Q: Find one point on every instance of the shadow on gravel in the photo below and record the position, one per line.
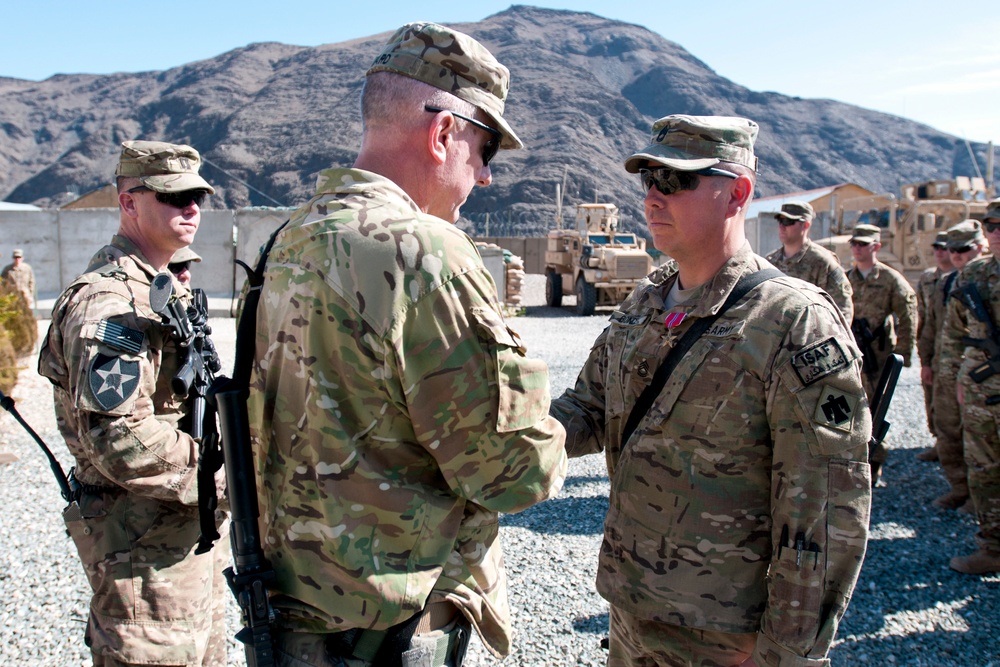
(594, 625)
(561, 516)
(579, 480)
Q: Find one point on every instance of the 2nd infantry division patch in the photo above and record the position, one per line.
(836, 409)
(113, 380)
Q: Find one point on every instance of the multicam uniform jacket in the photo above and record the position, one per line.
(394, 414)
(884, 298)
(817, 265)
(757, 442)
(136, 523)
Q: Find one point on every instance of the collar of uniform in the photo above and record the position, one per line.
(719, 287)
(132, 250)
(345, 181)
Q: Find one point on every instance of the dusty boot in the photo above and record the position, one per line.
(929, 455)
(953, 499)
(969, 507)
(981, 562)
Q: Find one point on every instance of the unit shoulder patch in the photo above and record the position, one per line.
(819, 360)
(836, 409)
(113, 380)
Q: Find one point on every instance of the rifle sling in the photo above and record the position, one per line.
(649, 394)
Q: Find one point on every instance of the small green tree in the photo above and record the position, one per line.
(18, 334)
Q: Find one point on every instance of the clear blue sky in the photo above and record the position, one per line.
(933, 62)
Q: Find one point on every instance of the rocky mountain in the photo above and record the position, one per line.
(585, 91)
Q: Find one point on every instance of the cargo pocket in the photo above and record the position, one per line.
(522, 383)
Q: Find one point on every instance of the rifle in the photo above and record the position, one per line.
(68, 487)
(249, 579)
(882, 397)
(200, 362)
(864, 337)
(972, 300)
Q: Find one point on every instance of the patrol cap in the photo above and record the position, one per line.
(964, 234)
(993, 210)
(17, 253)
(162, 167)
(690, 143)
(796, 210)
(867, 234)
(185, 254)
(454, 62)
(941, 240)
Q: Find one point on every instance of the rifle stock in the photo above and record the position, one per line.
(882, 397)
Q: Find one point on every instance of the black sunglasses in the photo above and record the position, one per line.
(491, 147)
(991, 226)
(787, 222)
(181, 199)
(178, 267)
(668, 181)
(860, 244)
(961, 251)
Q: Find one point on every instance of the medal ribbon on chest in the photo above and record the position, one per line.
(673, 319)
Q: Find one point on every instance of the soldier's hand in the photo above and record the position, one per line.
(749, 662)
(960, 394)
(927, 375)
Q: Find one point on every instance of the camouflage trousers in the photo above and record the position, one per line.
(981, 431)
(929, 406)
(639, 642)
(155, 602)
(948, 434)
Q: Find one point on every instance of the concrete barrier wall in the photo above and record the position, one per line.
(59, 245)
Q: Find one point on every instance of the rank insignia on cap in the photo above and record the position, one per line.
(836, 409)
(119, 337)
(113, 380)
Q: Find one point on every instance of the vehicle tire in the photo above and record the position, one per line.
(553, 289)
(586, 297)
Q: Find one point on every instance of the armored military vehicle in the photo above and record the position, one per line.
(909, 222)
(595, 260)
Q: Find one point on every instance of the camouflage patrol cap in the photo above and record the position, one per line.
(690, 143)
(185, 254)
(965, 233)
(796, 210)
(941, 240)
(17, 253)
(866, 234)
(162, 167)
(454, 62)
(993, 210)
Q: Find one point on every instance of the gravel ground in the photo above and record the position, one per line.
(908, 609)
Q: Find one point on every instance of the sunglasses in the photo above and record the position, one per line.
(787, 222)
(181, 199)
(991, 226)
(961, 251)
(179, 267)
(668, 181)
(491, 147)
(859, 244)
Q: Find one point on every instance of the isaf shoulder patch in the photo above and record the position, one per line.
(119, 337)
(819, 360)
(836, 409)
(113, 380)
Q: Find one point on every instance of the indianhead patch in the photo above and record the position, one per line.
(836, 409)
(113, 380)
(819, 360)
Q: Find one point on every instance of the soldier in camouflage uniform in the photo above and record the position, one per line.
(979, 400)
(739, 506)
(393, 411)
(801, 258)
(20, 274)
(111, 361)
(885, 306)
(965, 242)
(929, 290)
(180, 264)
